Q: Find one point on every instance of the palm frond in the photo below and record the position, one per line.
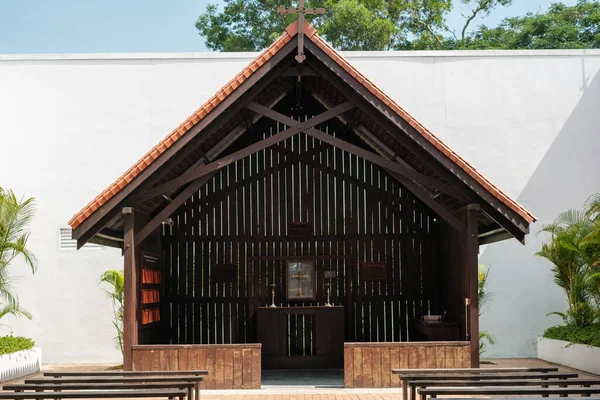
(592, 206)
(15, 217)
(116, 293)
(14, 310)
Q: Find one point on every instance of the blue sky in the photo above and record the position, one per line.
(116, 26)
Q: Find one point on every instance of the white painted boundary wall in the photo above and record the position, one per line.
(578, 356)
(70, 125)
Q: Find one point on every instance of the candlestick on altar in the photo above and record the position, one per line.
(328, 285)
(273, 295)
(329, 275)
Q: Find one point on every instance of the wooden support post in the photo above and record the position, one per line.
(471, 269)
(130, 314)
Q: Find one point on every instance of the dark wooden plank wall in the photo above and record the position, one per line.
(358, 213)
(234, 366)
(369, 365)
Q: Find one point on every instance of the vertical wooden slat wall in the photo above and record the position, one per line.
(358, 212)
(230, 366)
(369, 365)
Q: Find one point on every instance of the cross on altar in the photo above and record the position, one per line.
(301, 11)
(300, 276)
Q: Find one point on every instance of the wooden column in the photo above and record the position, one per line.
(130, 312)
(471, 269)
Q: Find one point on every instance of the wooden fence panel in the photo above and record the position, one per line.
(368, 365)
(233, 366)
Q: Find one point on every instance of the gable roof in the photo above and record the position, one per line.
(289, 33)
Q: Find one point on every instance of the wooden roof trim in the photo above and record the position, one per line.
(183, 128)
(428, 135)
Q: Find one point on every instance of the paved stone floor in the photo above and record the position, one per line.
(316, 385)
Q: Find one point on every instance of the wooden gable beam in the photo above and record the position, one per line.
(194, 186)
(171, 207)
(209, 155)
(375, 159)
(233, 103)
(372, 157)
(295, 128)
(367, 155)
(388, 119)
(374, 142)
(300, 71)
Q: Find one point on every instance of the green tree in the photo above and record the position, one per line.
(15, 216)
(561, 27)
(116, 293)
(251, 25)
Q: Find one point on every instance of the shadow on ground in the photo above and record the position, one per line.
(320, 378)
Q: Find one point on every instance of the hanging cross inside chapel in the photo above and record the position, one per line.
(301, 11)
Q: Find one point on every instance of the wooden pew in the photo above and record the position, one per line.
(60, 374)
(103, 394)
(416, 375)
(510, 391)
(414, 385)
(57, 387)
(196, 379)
(472, 370)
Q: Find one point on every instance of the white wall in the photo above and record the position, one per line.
(70, 125)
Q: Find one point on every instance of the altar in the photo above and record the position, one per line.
(301, 337)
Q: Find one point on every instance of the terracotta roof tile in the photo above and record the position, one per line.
(236, 81)
(164, 144)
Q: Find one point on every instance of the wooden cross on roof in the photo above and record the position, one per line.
(301, 11)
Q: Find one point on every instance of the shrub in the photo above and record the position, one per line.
(573, 249)
(589, 335)
(484, 296)
(12, 344)
(116, 294)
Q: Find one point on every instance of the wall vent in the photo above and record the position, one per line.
(66, 243)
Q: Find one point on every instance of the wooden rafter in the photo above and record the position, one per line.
(171, 207)
(295, 128)
(367, 155)
(386, 164)
(212, 153)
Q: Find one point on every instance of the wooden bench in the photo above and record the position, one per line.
(103, 394)
(415, 375)
(59, 374)
(511, 391)
(472, 370)
(196, 379)
(414, 385)
(57, 387)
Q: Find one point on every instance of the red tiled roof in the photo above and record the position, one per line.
(199, 114)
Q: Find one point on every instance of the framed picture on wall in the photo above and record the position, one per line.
(300, 280)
